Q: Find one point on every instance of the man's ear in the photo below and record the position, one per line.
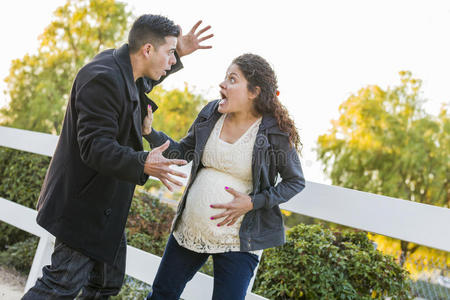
(253, 95)
(147, 49)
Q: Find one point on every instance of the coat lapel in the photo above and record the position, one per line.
(122, 58)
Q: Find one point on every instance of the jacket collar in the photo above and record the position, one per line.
(268, 121)
(122, 57)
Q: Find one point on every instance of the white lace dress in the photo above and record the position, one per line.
(224, 164)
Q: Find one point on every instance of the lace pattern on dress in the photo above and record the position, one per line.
(225, 164)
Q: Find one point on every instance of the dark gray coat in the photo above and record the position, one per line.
(99, 157)
(261, 227)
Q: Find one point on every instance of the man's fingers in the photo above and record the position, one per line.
(176, 173)
(202, 30)
(178, 162)
(181, 30)
(204, 47)
(205, 38)
(167, 184)
(194, 28)
(173, 180)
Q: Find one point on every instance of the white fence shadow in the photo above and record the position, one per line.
(409, 221)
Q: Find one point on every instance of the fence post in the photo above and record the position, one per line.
(252, 281)
(41, 258)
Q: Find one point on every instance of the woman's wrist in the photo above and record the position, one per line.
(146, 132)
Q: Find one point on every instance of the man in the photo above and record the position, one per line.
(87, 192)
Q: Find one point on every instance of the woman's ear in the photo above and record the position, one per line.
(253, 95)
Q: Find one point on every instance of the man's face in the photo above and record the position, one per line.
(160, 60)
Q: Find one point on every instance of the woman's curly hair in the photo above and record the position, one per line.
(259, 73)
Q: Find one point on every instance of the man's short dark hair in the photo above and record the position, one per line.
(150, 29)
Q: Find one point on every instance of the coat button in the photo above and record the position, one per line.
(108, 211)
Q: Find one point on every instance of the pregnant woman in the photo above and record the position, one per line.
(239, 145)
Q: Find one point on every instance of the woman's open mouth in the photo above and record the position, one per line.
(224, 98)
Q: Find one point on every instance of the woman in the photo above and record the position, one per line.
(229, 210)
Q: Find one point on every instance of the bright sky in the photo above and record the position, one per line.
(321, 50)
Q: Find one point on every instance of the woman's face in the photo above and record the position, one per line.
(235, 95)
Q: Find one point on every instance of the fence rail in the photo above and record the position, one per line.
(414, 222)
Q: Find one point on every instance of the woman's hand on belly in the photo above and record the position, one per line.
(241, 204)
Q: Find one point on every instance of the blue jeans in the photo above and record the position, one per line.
(71, 271)
(232, 272)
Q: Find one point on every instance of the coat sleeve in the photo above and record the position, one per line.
(98, 106)
(184, 149)
(292, 179)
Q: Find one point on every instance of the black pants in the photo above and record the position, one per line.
(71, 271)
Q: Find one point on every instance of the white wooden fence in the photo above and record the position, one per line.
(419, 223)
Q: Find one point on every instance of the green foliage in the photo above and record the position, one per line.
(20, 255)
(132, 289)
(21, 177)
(385, 143)
(148, 229)
(39, 84)
(148, 224)
(178, 110)
(152, 183)
(317, 263)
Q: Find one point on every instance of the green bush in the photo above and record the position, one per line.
(132, 289)
(317, 263)
(21, 177)
(148, 224)
(20, 255)
(148, 229)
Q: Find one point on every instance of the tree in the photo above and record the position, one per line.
(39, 84)
(385, 143)
(179, 108)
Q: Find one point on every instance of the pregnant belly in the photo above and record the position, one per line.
(209, 188)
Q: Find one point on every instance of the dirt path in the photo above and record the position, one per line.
(12, 284)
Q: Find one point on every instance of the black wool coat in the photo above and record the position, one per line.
(99, 158)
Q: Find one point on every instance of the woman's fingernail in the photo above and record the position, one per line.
(218, 225)
(149, 106)
(226, 188)
(212, 218)
(211, 206)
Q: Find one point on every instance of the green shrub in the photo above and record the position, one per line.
(317, 263)
(132, 289)
(148, 224)
(148, 229)
(21, 177)
(20, 255)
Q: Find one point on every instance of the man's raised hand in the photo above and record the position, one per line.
(158, 166)
(190, 42)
